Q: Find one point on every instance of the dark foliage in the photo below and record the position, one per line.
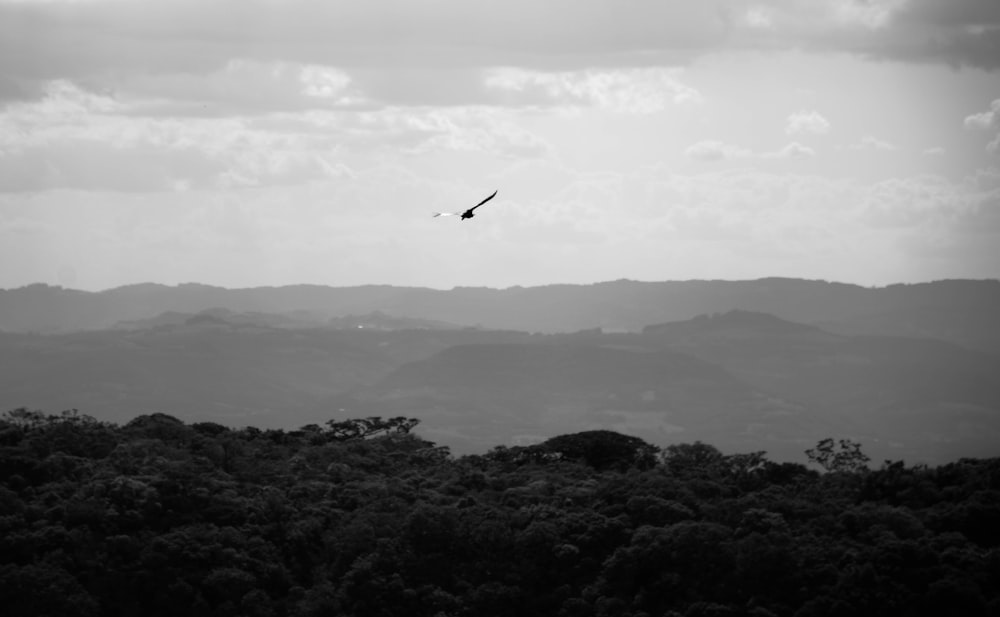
(362, 517)
(604, 450)
(846, 456)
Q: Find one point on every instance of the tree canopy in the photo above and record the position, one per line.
(363, 518)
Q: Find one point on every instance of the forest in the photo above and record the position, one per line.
(364, 517)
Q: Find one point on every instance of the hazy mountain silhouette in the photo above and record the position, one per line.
(376, 320)
(821, 367)
(289, 319)
(470, 396)
(205, 368)
(740, 379)
(964, 312)
(921, 395)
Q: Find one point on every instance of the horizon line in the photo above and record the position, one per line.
(506, 288)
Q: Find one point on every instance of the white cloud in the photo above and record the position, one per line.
(956, 33)
(872, 143)
(987, 120)
(324, 82)
(77, 139)
(713, 150)
(807, 122)
(470, 130)
(838, 229)
(934, 151)
(792, 150)
(758, 17)
(117, 42)
(241, 86)
(936, 214)
(872, 14)
(374, 226)
(639, 91)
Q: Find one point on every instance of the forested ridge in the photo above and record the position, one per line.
(364, 517)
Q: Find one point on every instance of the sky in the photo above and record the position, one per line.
(246, 143)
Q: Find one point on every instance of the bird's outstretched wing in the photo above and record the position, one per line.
(446, 213)
(484, 201)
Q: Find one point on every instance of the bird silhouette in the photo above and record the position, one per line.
(468, 214)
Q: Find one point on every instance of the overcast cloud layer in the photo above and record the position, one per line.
(253, 142)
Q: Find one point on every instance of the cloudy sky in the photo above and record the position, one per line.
(265, 142)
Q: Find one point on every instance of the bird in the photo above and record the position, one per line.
(468, 214)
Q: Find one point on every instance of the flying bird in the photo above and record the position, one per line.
(468, 214)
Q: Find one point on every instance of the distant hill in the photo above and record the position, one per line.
(741, 380)
(928, 397)
(960, 311)
(741, 325)
(376, 320)
(223, 316)
(205, 368)
(827, 368)
(472, 395)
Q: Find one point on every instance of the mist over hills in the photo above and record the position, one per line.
(524, 391)
(740, 379)
(206, 369)
(961, 311)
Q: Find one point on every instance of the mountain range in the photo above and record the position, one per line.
(739, 380)
(966, 312)
(921, 387)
